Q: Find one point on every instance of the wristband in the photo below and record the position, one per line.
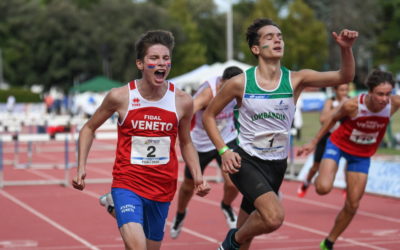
(223, 150)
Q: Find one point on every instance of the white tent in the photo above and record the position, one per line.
(193, 79)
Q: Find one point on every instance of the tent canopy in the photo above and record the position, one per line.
(196, 77)
(97, 84)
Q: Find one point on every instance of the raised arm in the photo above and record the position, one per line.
(311, 78)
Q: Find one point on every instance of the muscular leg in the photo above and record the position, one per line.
(356, 183)
(230, 190)
(133, 236)
(313, 170)
(326, 176)
(185, 194)
(267, 217)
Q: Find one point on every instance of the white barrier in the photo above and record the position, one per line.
(66, 165)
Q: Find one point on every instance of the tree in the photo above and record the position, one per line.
(305, 38)
(360, 15)
(189, 52)
(388, 45)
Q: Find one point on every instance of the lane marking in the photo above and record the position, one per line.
(300, 227)
(360, 212)
(48, 220)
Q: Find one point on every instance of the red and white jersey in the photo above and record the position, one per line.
(146, 161)
(362, 134)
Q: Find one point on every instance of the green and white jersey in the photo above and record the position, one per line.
(265, 117)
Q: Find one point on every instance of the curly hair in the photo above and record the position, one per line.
(377, 77)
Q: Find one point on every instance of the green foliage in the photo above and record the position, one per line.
(190, 51)
(305, 38)
(60, 43)
(21, 95)
(389, 39)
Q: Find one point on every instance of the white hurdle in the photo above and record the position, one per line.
(29, 138)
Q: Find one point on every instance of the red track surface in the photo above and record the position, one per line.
(57, 217)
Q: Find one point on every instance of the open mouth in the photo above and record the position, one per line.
(160, 74)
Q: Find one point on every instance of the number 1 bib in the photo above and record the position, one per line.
(271, 141)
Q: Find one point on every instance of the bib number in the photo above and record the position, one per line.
(360, 137)
(270, 142)
(150, 150)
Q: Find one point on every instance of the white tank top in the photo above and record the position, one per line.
(225, 121)
(265, 117)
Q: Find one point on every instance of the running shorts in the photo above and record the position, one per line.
(206, 157)
(354, 163)
(130, 207)
(256, 177)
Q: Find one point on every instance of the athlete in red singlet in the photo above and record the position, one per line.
(152, 113)
(364, 121)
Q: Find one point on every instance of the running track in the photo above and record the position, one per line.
(58, 217)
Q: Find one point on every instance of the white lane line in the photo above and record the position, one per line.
(196, 234)
(360, 212)
(48, 220)
(184, 229)
(321, 233)
(300, 227)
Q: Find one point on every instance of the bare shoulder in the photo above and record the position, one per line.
(116, 98)
(183, 98)
(235, 85)
(184, 103)
(395, 100)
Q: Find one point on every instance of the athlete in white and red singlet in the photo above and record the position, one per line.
(152, 113)
(364, 121)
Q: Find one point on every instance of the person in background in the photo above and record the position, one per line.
(364, 119)
(206, 149)
(330, 107)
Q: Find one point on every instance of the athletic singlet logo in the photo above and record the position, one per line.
(135, 102)
(266, 115)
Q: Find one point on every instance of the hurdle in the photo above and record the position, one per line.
(33, 138)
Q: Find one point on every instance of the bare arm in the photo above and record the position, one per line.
(107, 108)
(189, 153)
(232, 89)
(327, 111)
(312, 78)
(202, 99)
(346, 110)
(395, 100)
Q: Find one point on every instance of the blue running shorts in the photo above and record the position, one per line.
(354, 163)
(130, 207)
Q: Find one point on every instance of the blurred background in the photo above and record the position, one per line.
(59, 58)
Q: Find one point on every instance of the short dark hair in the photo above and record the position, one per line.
(153, 37)
(252, 36)
(230, 72)
(378, 77)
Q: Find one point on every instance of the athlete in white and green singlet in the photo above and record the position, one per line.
(266, 97)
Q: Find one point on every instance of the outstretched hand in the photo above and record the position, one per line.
(346, 38)
(203, 189)
(306, 149)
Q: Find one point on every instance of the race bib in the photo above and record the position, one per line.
(150, 150)
(270, 142)
(363, 138)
